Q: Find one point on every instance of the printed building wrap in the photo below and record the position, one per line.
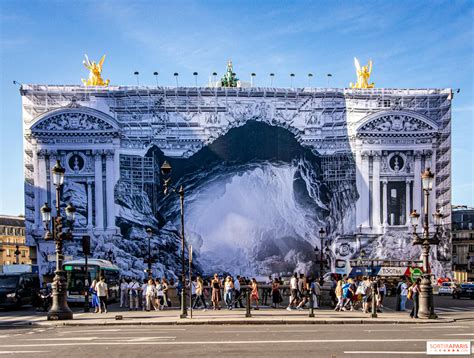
(263, 168)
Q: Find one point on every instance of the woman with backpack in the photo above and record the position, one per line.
(414, 293)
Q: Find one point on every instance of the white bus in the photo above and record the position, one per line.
(76, 272)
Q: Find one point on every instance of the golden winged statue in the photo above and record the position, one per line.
(363, 75)
(95, 69)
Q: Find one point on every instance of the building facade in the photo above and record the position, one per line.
(463, 243)
(13, 248)
(348, 160)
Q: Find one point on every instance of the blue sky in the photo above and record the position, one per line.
(414, 44)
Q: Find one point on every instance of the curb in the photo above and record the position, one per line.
(188, 322)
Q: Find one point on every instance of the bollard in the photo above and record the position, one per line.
(247, 308)
(374, 309)
(311, 305)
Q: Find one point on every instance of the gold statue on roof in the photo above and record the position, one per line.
(95, 69)
(363, 75)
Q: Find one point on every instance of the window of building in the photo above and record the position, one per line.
(455, 249)
(23, 253)
(471, 248)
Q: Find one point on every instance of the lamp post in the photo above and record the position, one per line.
(426, 290)
(59, 309)
(150, 257)
(322, 235)
(166, 171)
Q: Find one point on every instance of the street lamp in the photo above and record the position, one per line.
(150, 257)
(322, 235)
(166, 171)
(59, 309)
(426, 290)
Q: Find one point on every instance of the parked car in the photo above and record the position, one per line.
(18, 289)
(464, 290)
(446, 288)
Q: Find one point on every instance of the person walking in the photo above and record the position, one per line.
(382, 293)
(399, 290)
(293, 292)
(164, 290)
(95, 299)
(338, 292)
(316, 292)
(159, 294)
(150, 295)
(276, 297)
(123, 293)
(199, 293)
(403, 295)
(415, 294)
(216, 292)
(267, 291)
(133, 294)
(254, 293)
(237, 293)
(142, 292)
(228, 292)
(102, 293)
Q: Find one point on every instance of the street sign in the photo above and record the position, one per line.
(415, 273)
(392, 271)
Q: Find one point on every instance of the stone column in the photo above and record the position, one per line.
(52, 188)
(110, 181)
(407, 201)
(365, 190)
(42, 185)
(359, 179)
(384, 202)
(89, 203)
(99, 197)
(417, 182)
(376, 192)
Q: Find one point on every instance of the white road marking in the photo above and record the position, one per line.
(22, 352)
(382, 352)
(96, 338)
(417, 327)
(270, 331)
(458, 334)
(286, 341)
(138, 330)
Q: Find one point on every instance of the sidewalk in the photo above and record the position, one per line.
(225, 317)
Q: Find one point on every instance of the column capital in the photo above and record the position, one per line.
(408, 180)
(384, 181)
(42, 153)
(377, 154)
(109, 154)
(365, 154)
(97, 154)
(417, 154)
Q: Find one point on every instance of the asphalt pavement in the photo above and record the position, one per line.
(377, 339)
(231, 341)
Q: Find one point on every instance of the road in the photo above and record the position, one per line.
(377, 340)
(322, 340)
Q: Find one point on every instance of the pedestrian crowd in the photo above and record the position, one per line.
(347, 294)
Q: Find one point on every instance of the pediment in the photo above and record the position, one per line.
(77, 120)
(397, 122)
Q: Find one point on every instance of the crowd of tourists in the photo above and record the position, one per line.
(347, 294)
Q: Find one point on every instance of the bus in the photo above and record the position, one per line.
(76, 274)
